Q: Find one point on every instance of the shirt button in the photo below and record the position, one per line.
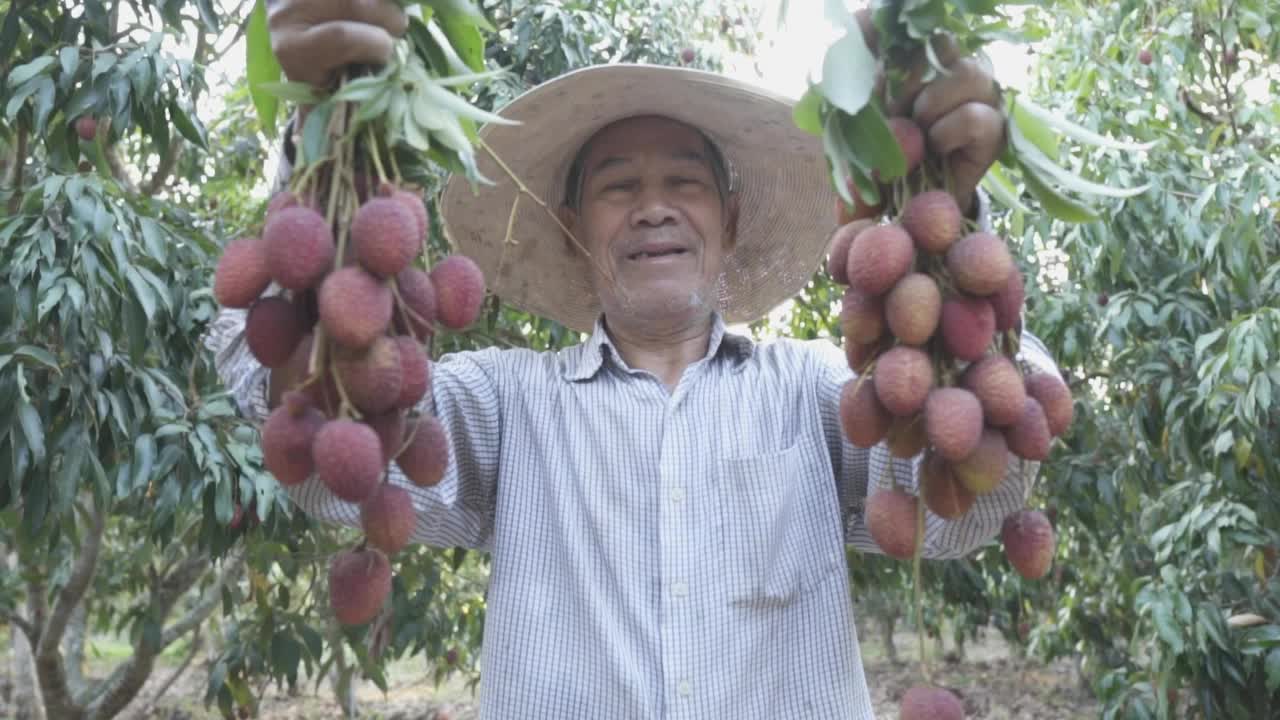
(677, 494)
(680, 589)
(685, 688)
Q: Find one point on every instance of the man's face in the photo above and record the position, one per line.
(652, 217)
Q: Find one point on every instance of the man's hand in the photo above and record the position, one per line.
(959, 113)
(313, 38)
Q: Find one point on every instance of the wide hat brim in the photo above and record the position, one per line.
(787, 206)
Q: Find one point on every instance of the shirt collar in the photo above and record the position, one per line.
(583, 361)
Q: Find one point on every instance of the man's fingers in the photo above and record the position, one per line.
(285, 15)
(383, 13)
(970, 137)
(969, 81)
(311, 55)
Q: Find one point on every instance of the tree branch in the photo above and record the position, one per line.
(19, 159)
(119, 172)
(22, 624)
(196, 642)
(163, 170)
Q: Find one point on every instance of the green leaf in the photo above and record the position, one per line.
(463, 8)
(834, 147)
(38, 355)
(186, 125)
(1162, 614)
(144, 456)
(1273, 670)
(808, 111)
(315, 133)
(145, 295)
(1002, 189)
(23, 73)
(261, 66)
(848, 73)
(1054, 202)
(871, 140)
(33, 430)
(465, 38)
(1023, 106)
(1030, 156)
(69, 57)
(1033, 128)
(295, 92)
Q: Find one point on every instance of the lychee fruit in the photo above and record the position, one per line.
(861, 317)
(272, 330)
(348, 458)
(387, 518)
(1007, 303)
(982, 470)
(415, 372)
(1144, 56)
(687, 55)
(906, 437)
(87, 127)
(913, 308)
(931, 703)
(242, 273)
(418, 317)
(359, 582)
(860, 356)
(426, 458)
(910, 140)
(282, 200)
(287, 436)
(999, 387)
(878, 258)
(941, 491)
(953, 421)
(355, 307)
(372, 377)
(863, 418)
(385, 235)
(390, 430)
(299, 247)
(1028, 543)
(891, 520)
(903, 377)
(838, 255)
(322, 391)
(968, 327)
(1055, 399)
(1103, 299)
(934, 221)
(1029, 438)
(412, 202)
(459, 287)
(980, 263)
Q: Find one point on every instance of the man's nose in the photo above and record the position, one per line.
(653, 209)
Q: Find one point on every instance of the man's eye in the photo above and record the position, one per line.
(622, 185)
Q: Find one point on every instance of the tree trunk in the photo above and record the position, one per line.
(73, 646)
(888, 620)
(26, 703)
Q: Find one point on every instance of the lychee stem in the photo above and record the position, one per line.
(345, 407)
(373, 152)
(407, 314)
(395, 166)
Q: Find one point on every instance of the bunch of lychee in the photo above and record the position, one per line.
(931, 325)
(353, 330)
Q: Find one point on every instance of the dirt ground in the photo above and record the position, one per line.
(992, 681)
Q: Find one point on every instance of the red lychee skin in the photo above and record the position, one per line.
(348, 459)
(864, 420)
(299, 246)
(980, 263)
(953, 421)
(878, 258)
(387, 517)
(87, 127)
(1029, 438)
(1055, 399)
(931, 703)
(412, 202)
(415, 372)
(906, 437)
(687, 55)
(941, 491)
(426, 458)
(968, 327)
(287, 436)
(859, 356)
(355, 307)
(1028, 542)
(372, 378)
(982, 471)
(390, 430)
(838, 255)
(242, 273)
(903, 377)
(384, 233)
(415, 289)
(359, 582)
(272, 330)
(1144, 56)
(861, 317)
(891, 520)
(913, 308)
(999, 387)
(910, 140)
(459, 287)
(934, 221)
(1007, 303)
(280, 201)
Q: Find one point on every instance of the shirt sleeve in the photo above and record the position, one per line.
(860, 471)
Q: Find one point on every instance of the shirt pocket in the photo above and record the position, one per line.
(780, 524)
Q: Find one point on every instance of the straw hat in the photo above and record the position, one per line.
(778, 170)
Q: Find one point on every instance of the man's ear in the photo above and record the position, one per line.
(569, 218)
(731, 207)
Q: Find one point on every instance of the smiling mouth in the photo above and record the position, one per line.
(650, 255)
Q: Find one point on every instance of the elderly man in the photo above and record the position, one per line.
(667, 504)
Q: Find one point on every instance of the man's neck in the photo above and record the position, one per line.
(663, 351)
